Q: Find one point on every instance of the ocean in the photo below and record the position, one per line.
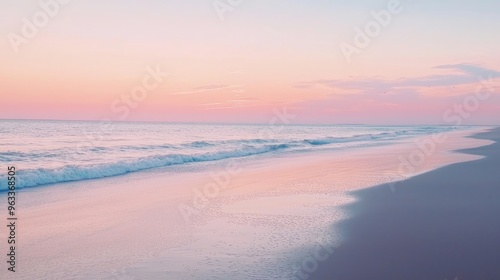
(47, 152)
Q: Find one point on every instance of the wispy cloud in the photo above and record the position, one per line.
(461, 74)
(207, 88)
(384, 100)
(471, 69)
(232, 103)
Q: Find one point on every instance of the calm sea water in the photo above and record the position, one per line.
(47, 152)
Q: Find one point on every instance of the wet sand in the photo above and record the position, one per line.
(444, 224)
(253, 224)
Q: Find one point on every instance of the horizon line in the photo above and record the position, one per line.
(238, 123)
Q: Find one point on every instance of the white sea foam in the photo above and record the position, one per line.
(54, 152)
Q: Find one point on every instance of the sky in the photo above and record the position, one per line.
(324, 62)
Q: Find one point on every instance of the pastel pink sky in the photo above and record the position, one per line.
(429, 59)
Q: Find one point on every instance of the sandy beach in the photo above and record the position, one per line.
(257, 217)
(249, 140)
(440, 225)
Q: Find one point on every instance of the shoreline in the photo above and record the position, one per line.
(442, 224)
(272, 206)
(33, 177)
